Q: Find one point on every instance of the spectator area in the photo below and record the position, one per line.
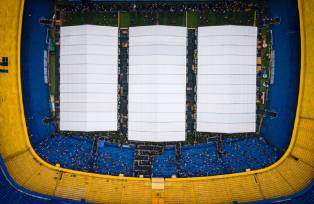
(240, 154)
(113, 159)
(165, 165)
(69, 152)
(200, 160)
(77, 153)
(291, 174)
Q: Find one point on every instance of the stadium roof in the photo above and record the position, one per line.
(226, 79)
(88, 78)
(157, 83)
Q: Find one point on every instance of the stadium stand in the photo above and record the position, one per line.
(292, 173)
(32, 56)
(10, 192)
(114, 160)
(238, 155)
(289, 24)
(77, 153)
(144, 158)
(199, 160)
(165, 165)
(69, 152)
(250, 153)
(305, 196)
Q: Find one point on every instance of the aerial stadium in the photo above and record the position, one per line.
(156, 101)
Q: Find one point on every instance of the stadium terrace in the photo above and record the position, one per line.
(156, 102)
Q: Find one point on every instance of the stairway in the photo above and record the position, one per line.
(178, 160)
(143, 158)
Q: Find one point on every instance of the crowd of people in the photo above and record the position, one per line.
(149, 11)
(100, 156)
(70, 152)
(199, 160)
(113, 159)
(221, 6)
(106, 13)
(238, 155)
(86, 154)
(92, 154)
(248, 154)
(164, 165)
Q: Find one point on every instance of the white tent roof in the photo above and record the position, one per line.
(226, 81)
(88, 78)
(157, 83)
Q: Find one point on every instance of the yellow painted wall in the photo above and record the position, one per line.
(292, 173)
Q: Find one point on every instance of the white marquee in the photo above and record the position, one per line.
(226, 79)
(88, 78)
(157, 83)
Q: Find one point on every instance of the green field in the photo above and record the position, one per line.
(192, 19)
(265, 54)
(52, 62)
(234, 18)
(52, 74)
(189, 19)
(124, 20)
(93, 18)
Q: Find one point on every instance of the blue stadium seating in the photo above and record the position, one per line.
(199, 160)
(248, 153)
(283, 93)
(165, 165)
(77, 153)
(35, 90)
(112, 159)
(239, 155)
(69, 152)
(11, 193)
